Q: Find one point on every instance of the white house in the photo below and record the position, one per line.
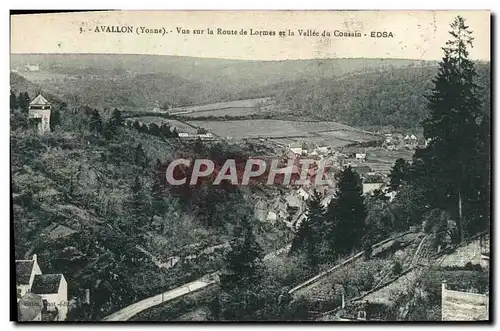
(297, 150)
(183, 135)
(303, 193)
(26, 270)
(40, 108)
(32, 67)
(370, 187)
(53, 289)
(360, 156)
(323, 149)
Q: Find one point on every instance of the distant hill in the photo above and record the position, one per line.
(139, 81)
(392, 96)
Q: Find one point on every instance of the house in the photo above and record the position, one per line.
(361, 157)
(303, 193)
(294, 200)
(40, 108)
(34, 67)
(323, 150)
(370, 187)
(362, 170)
(53, 289)
(463, 306)
(26, 270)
(297, 149)
(29, 308)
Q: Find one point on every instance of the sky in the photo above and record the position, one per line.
(415, 34)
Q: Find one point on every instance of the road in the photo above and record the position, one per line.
(128, 312)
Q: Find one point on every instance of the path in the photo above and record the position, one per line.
(130, 311)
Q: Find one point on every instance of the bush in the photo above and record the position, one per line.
(397, 268)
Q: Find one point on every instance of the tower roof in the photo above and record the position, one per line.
(39, 100)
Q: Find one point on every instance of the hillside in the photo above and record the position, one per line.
(393, 96)
(101, 192)
(139, 81)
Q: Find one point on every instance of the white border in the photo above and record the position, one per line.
(186, 4)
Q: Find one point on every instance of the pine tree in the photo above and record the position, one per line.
(140, 157)
(24, 102)
(399, 174)
(137, 205)
(116, 117)
(310, 234)
(347, 213)
(241, 280)
(55, 115)
(137, 125)
(452, 127)
(95, 124)
(157, 190)
(13, 100)
(244, 260)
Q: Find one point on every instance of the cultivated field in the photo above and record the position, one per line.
(247, 103)
(270, 128)
(231, 111)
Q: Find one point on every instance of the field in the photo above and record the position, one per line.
(381, 160)
(270, 128)
(247, 103)
(231, 111)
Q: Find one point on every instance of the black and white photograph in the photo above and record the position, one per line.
(250, 166)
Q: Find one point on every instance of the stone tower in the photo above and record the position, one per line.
(40, 108)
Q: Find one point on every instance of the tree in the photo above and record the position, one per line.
(442, 229)
(95, 124)
(201, 131)
(140, 157)
(452, 127)
(24, 102)
(157, 190)
(137, 125)
(244, 259)
(116, 117)
(310, 234)
(55, 115)
(138, 206)
(346, 212)
(13, 100)
(399, 174)
(154, 129)
(241, 286)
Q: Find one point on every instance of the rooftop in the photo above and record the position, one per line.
(23, 271)
(45, 284)
(39, 100)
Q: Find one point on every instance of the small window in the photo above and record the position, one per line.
(361, 315)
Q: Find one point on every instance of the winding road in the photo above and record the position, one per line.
(128, 312)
